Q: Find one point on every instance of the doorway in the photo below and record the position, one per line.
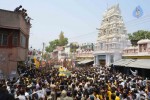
(102, 63)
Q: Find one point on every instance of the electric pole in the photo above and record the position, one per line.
(43, 49)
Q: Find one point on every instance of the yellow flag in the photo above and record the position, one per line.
(61, 68)
(37, 63)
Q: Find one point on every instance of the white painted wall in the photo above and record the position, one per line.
(67, 50)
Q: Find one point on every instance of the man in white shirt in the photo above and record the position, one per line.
(22, 95)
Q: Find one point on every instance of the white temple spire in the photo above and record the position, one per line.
(112, 36)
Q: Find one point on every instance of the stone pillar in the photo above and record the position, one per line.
(97, 61)
(107, 59)
(94, 61)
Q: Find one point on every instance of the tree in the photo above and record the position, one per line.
(52, 45)
(62, 41)
(136, 36)
(141, 34)
(73, 47)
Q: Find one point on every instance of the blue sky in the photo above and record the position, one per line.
(78, 19)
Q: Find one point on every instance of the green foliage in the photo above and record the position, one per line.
(73, 47)
(62, 41)
(141, 34)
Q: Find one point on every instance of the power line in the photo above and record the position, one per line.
(134, 24)
(148, 15)
(82, 35)
(143, 22)
(137, 21)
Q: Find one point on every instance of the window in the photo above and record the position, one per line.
(15, 39)
(3, 39)
(22, 40)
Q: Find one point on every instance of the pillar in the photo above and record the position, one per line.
(97, 60)
(94, 61)
(107, 59)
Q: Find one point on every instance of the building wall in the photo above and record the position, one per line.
(117, 56)
(67, 51)
(22, 53)
(13, 22)
(59, 55)
(54, 55)
(83, 55)
(85, 52)
(141, 51)
(25, 27)
(9, 19)
(10, 57)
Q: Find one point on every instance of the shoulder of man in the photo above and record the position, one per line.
(68, 98)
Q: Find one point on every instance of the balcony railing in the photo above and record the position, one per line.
(84, 55)
(147, 52)
(131, 53)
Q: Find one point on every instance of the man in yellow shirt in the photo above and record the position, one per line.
(109, 94)
(117, 96)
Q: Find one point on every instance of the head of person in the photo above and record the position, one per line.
(64, 93)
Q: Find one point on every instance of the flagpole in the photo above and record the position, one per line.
(43, 51)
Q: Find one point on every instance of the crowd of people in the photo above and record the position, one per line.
(93, 83)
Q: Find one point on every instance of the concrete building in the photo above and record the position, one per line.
(58, 53)
(70, 49)
(84, 54)
(137, 57)
(142, 50)
(14, 39)
(112, 38)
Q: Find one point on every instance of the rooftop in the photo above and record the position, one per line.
(143, 41)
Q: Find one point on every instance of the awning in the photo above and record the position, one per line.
(77, 60)
(85, 61)
(123, 62)
(140, 63)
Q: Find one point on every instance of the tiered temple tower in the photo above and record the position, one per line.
(112, 37)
